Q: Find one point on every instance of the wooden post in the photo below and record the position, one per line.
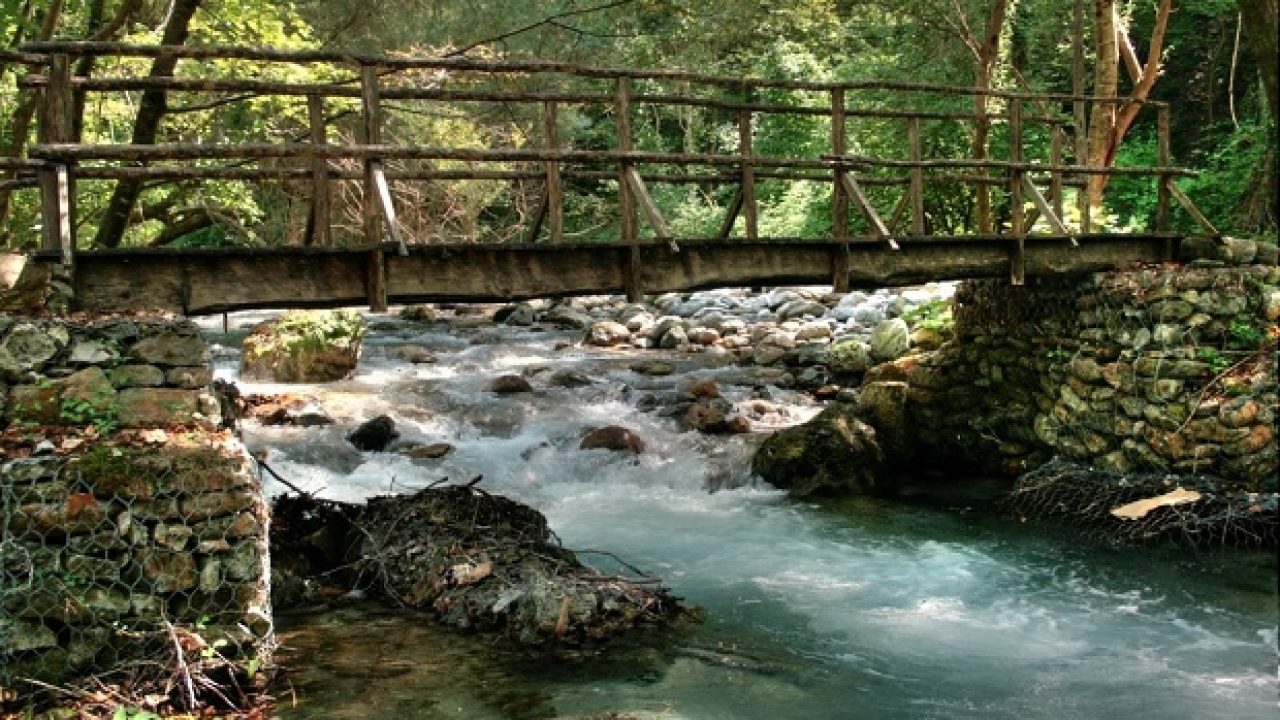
(1017, 268)
(555, 191)
(320, 230)
(916, 189)
(1163, 180)
(56, 184)
(1080, 108)
(750, 209)
(371, 111)
(626, 199)
(840, 199)
(1055, 176)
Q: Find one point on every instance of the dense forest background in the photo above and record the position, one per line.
(1212, 60)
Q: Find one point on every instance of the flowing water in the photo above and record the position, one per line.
(860, 609)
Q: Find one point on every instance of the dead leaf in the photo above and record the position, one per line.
(469, 574)
(1139, 508)
(77, 503)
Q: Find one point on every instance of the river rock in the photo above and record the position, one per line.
(607, 333)
(520, 314)
(849, 357)
(673, 338)
(302, 347)
(834, 453)
(714, 416)
(25, 349)
(431, 451)
(419, 313)
(374, 435)
(569, 378)
(613, 437)
(509, 385)
(890, 340)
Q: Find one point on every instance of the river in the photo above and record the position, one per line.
(931, 607)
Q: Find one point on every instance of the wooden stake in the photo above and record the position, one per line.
(1080, 109)
(555, 191)
(650, 208)
(386, 203)
(1163, 181)
(626, 199)
(735, 207)
(1192, 210)
(371, 115)
(868, 210)
(1046, 210)
(916, 189)
(745, 147)
(840, 199)
(1017, 260)
(319, 232)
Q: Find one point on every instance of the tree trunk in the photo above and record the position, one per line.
(1112, 119)
(988, 52)
(1260, 28)
(151, 111)
(1106, 78)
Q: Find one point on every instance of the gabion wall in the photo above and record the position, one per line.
(138, 542)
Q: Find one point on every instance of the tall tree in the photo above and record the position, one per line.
(151, 110)
(1111, 119)
(1259, 20)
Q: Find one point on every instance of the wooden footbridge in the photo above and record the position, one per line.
(864, 247)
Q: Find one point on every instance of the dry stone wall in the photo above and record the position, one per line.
(134, 528)
(1169, 369)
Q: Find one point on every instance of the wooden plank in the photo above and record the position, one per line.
(387, 204)
(331, 277)
(730, 217)
(626, 198)
(1046, 210)
(555, 189)
(916, 189)
(868, 211)
(66, 223)
(650, 208)
(750, 208)
(320, 230)
(1192, 210)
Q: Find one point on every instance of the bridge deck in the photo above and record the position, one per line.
(205, 281)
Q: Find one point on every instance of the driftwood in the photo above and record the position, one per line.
(469, 559)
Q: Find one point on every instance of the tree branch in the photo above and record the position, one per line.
(535, 25)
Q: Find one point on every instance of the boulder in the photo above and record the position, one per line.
(835, 453)
(430, 451)
(509, 385)
(715, 416)
(607, 333)
(890, 340)
(303, 346)
(613, 437)
(520, 314)
(374, 435)
(419, 313)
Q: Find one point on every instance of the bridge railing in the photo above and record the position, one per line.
(370, 82)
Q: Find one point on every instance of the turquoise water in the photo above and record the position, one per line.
(861, 609)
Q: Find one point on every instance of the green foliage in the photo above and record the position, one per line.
(80, 411)
(1216, 361)
(309, 330)
(935, 316)
(1243, 333)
